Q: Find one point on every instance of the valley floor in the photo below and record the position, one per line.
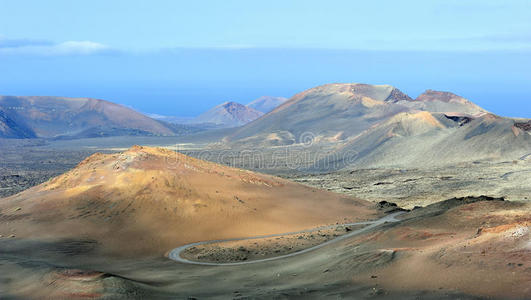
(25, 164)
(419, 187)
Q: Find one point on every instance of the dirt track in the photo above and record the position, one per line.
(175, 254)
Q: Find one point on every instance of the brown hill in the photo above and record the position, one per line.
(146, 201)
(60, 116)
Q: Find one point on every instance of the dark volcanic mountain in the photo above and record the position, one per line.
(266, 104)
(59, 116)
(11, 129)
(229, 114)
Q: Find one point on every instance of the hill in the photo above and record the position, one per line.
(436, 101)
(59, 116)
(146, 201)
(332, 110)
(363, 125)
(228, 114)
(427, 139)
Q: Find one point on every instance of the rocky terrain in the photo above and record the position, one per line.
(410, 187)
(526, 126)
(25, 163)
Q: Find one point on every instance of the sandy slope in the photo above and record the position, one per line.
(146, 201)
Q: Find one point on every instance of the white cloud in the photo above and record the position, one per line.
(46, 48)
(79, 47)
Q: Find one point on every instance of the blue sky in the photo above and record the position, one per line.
(182, 57)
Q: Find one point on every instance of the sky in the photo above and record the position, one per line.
(183, 57)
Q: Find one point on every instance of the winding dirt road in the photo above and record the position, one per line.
(175, 254)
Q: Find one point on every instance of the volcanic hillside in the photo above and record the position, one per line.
(436, 101)
(146, 201)
(11, 129)
(334, 112)
(84, 117)
(329, 110)
(378, 125)
(426, 139)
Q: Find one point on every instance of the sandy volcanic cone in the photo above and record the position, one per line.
(146, 201)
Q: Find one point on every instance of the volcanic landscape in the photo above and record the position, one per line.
(342, 191)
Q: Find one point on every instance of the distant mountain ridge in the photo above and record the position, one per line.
(346, 110)
(71, 118)
(50, 117)
(229, 114)
(329, 110)
(378, 125)
(266, 104)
